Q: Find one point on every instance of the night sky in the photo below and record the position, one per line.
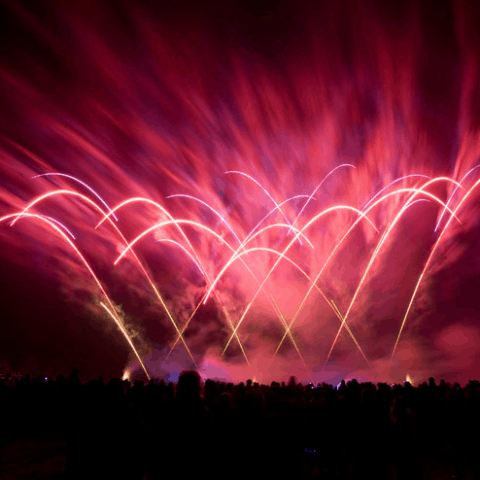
(147, 100)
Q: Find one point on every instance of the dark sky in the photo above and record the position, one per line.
(151, 99)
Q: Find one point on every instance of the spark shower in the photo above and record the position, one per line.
(202, 189)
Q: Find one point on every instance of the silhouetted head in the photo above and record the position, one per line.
(367, 397)
(189, 386)
(399, 407)
(224, 402)
(255, 401)
(115, 388)
(473, 396)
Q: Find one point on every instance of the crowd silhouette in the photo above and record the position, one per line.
(195, 429)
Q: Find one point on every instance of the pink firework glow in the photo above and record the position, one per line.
(186, 187)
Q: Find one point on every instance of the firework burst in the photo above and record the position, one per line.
(303, 216)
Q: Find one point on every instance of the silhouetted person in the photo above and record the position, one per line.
(256, 431)
(405, 443)
(183, 443)
(373, 444)
(472, 444)
(106, 438)
(457, 427)
(73, 380)
(227, 426)
(255, 446)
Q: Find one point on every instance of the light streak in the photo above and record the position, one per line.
(43, 197)
(382, 240)
(427, 263)
(92, 273)
(168, 128)
(310, 197)
(453, 193)
(106, 216)
(88, 187)
(340, 317)
(305, 274)
(314, 283)
(186, 222)
(337, 246)
(242, 252)
(60, 224)
(180, 195)
(324, 212)
(272, 211)
(177, 223)
(282, 225)
(200, 226)
(115, 318)
(265, 191)
(168, 240)
(413, 175)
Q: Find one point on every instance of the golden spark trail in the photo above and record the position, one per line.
(297, 313)
(427, 263)
(305, 274)
(124, 331)
(324, 212)
(107, 216)
(247, 239)
(187, 222)
(266, 193)
(235, 252)
(382, 240)
(241, 246)
(339, 315)
(217, 278)
(337, 246)
(173, 222)
(216, 295)
(167, 213)
(271, 298)
(265, 249)
(82, 258)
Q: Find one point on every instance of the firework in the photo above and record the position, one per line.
(246, 254)
(311, 214)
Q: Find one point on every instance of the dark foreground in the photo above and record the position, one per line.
(64, 429)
